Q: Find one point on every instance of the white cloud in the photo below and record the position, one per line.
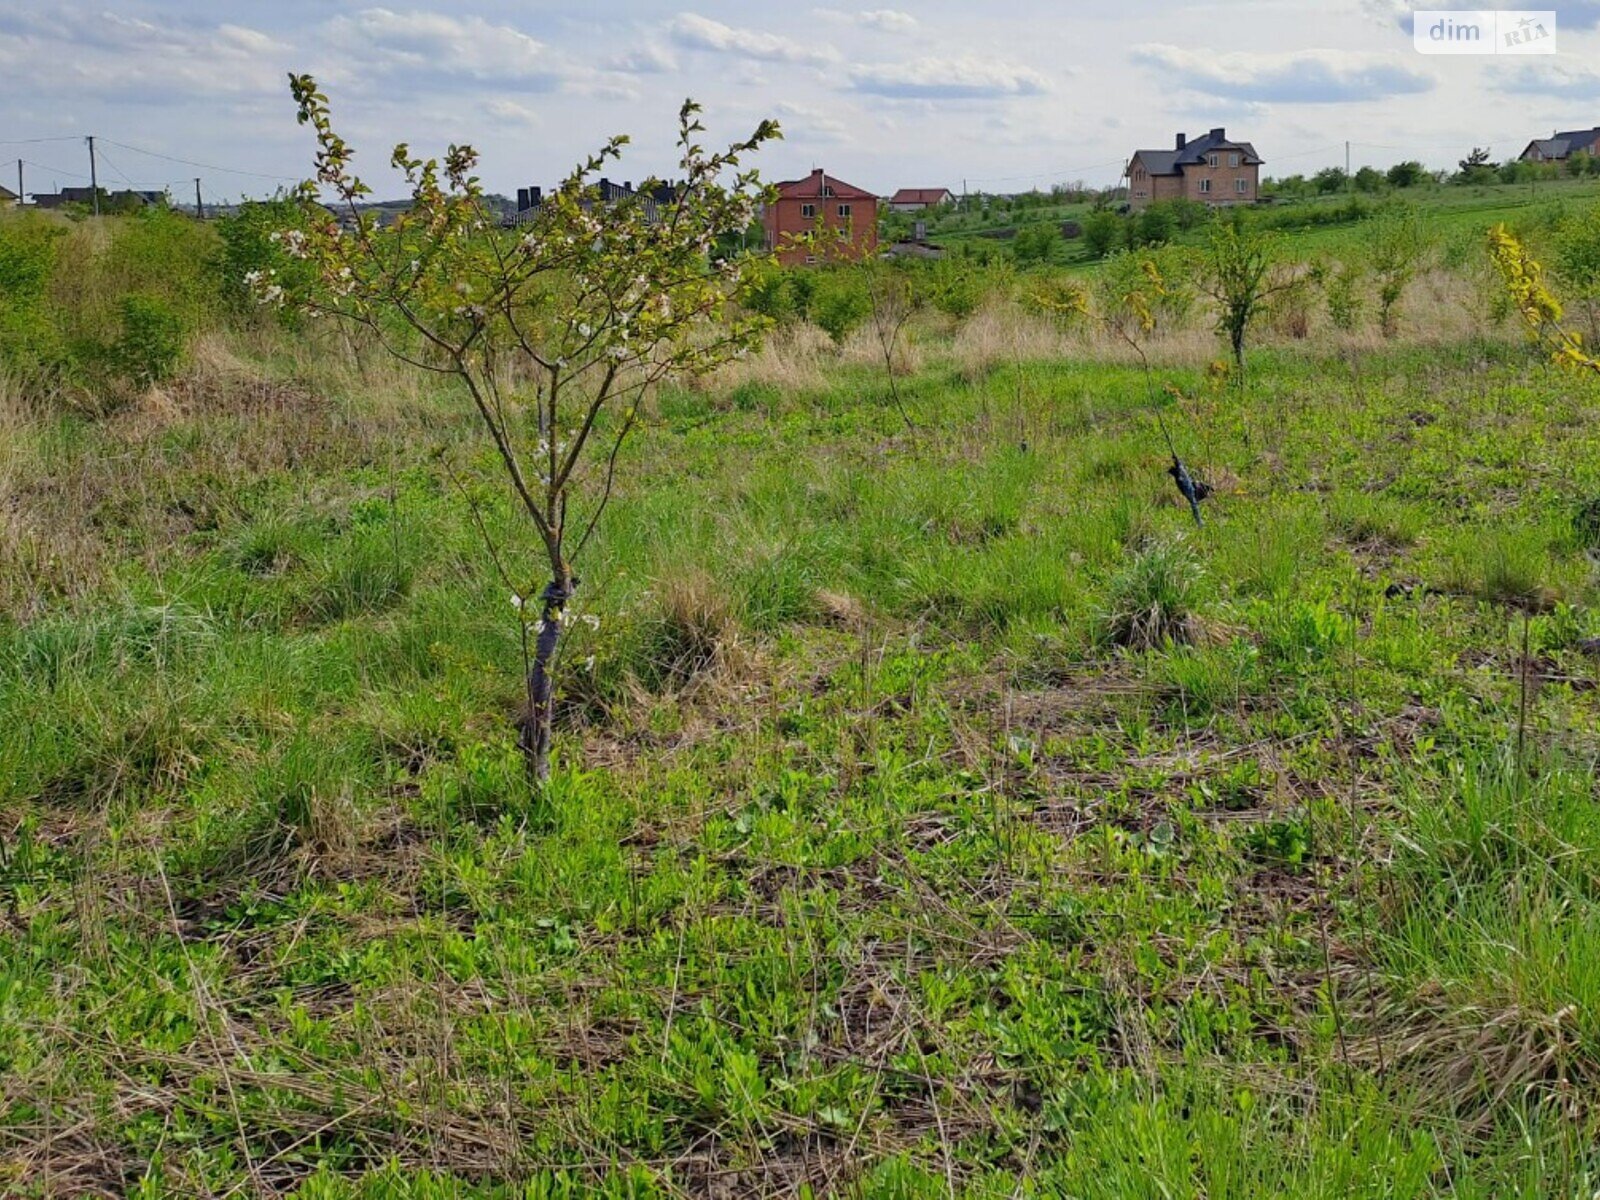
(82, 53)
(1296, 77)
(428, 46)
(648, 59)
(884, 20)
(964, 78)
(509, 112)
(695, 32)
(802, 123)
(1567, 80)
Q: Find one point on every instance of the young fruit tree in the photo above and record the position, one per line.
(1240, 271)
(554, 330)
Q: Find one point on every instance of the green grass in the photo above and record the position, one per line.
(939, 812)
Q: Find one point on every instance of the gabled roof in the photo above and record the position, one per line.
(6, 193)
(919, 196)
(1172, 162)
(1158, 162)
(1565, 142)
(813, 184)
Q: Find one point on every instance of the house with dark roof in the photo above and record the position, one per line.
(916, 199)
(850, 212)
(7, 196)
(1213, 169)
(118, 201)
(1562, 145)
(654, 195)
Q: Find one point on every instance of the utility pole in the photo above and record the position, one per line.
(1347, 166)
(199, 207)
(94, 179)
(21, 195)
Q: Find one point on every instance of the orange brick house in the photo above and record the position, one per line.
(842, 206)
(1210, 170)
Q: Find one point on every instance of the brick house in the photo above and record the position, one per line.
(917, 199)
(1209, 170)
(840, 205)
(1562, 145)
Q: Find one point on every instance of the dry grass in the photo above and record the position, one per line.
(794, 359)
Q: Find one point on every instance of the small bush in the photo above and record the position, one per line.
(151, 344)
(1342, 292)
(955, 287)
(771, 293)
(839, 304)
(1102, 232)
(1036, 243)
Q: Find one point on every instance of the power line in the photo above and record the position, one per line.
(1063, 173)
(189, 162)
(55, 170)
(37, 141)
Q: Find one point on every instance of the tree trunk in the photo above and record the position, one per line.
(538, 716)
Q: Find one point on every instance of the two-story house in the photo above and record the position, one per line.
(1210, 170)
(847, 211)
(1562, 145)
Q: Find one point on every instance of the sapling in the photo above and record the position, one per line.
(1240, 271)
(554, 330)
(1398, 247)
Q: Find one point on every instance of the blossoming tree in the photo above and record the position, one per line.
(553, 330)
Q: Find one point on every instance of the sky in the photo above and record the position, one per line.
(1001, 95)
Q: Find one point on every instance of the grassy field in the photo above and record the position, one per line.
(939, 811)
(1451, 211)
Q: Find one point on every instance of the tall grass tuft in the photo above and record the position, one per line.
(1152, 601)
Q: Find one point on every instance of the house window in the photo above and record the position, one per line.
(844, 212)
(827, 191)
(808, 211)
(1205, 185)
(1241, 186)
(1233, 160)
(1211, 160)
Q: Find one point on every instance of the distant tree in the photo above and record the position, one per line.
(1369, 179)
(1102, 232)
(1580, 163)
(1036, 243)
(1476, 167)
(1329, 179)
(554, 331)
(1406, 174)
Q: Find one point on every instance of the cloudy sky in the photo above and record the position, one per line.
(1002, 95)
